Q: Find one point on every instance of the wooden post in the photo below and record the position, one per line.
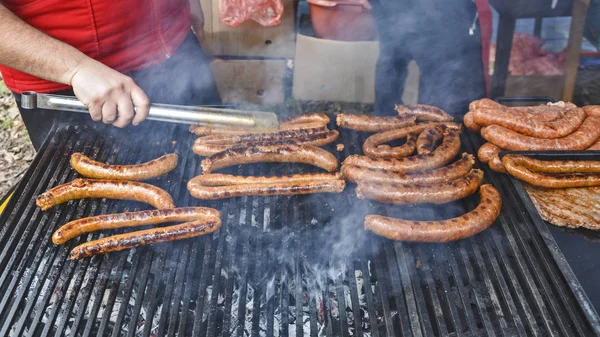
(506, 28)
(580, 8)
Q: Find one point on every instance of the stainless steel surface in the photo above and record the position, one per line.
(164, 112)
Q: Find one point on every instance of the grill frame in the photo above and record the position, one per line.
(401, 297)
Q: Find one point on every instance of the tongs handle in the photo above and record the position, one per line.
(164, 112)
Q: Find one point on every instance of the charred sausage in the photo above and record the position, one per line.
(429, 137)
(453, 171)
(487, 151)
(203, 130)
(441, 156)
(464, 226)
(110, 189)
(144, 171)
(146, 237)
(308, 118)
(78, 227)
(261, 137)
(265, 189)
(288, 153)
(560, 127)
(582, 138)
(514, 165)
(386, 151)
(372, 123)
(412, 194)
(423, 112)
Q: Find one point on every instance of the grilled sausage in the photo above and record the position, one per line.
(373, 147)
(203, 130)
(592, 110)
(261, 137)
(429, 137)
(78, 227)
(441, 156)
(496, 165)
(548, 112)
(146, 237)
(487, 151)
(152, 169)
(265, 189)
(560, 127)
(308, 118)
(464, 226)
(412, 194)
(453, 171)
(582, 138)
(514, 166)
(470, 123)
(372, 123)
(556, 166)
(111, 189)
(423, 112)
(595, 146)
(288, 153)
(217, 179)
(317, 139)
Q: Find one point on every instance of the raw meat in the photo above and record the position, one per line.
(265, 12)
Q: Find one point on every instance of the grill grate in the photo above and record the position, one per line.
(279, 266)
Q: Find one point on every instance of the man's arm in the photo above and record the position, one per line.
(109, 95)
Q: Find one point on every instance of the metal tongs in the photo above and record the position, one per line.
(259, 120)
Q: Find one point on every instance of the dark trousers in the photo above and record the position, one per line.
(185, 79)
(439, 36)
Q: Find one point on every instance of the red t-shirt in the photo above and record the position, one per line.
(125, 35)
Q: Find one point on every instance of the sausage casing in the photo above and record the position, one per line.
(110, 189)
(412, 194)
(308, 118)
(203, 130)
(582, 138)
(556, 166)
(217, 179)
(469, 122)
(515, 167)
(373, 123)
(453, 171)
(144, 171)
(496, 165)
(487, 151)
(266, 189)
(145, 237)
(78, 227)
(464, 226)
(423, 112)
(288, 153)
(429, 137)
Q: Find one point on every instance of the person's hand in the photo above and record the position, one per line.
(197, 16)
(109, 95)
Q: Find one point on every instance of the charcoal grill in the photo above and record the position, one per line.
(279, 266)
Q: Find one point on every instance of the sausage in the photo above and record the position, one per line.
(265, 189)
(203, 130)
(217, 179)
(592, 110)
(423, 112)
(560, 127)
(260, 137)
(487, 151)
(441, 156)
(372, 123)
(429, 138)
(373, 147)
(521, 172)
(595, 146)
(308, 118)
(453, 171)
(144, 171)
(470, 123)
(146, 237)
(287, 153)
(486, 103)
(78, 227)
(496, 165)
(582, 138)
(556, 166)
(317, 139)
(110, 189)
(412, 194)
(464, 226)
(546, 112)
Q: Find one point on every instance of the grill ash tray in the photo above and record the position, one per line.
(279, 266)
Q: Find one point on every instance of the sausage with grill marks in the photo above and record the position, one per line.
(487, 151)
(119, 242)
(317, 139)
(582, 138)
(514, 165)
(203, 130)
(78, 227)
(308, 118)
(110, 189)
(429, 137)
(287, 153)
(217, 179)
(373, 123)
(423, 112)
(261, 137)
(453, 171)
(464, 226)
(97, 170)
(441, 156)
(560, 127)
(412, 194)
(332, 185)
